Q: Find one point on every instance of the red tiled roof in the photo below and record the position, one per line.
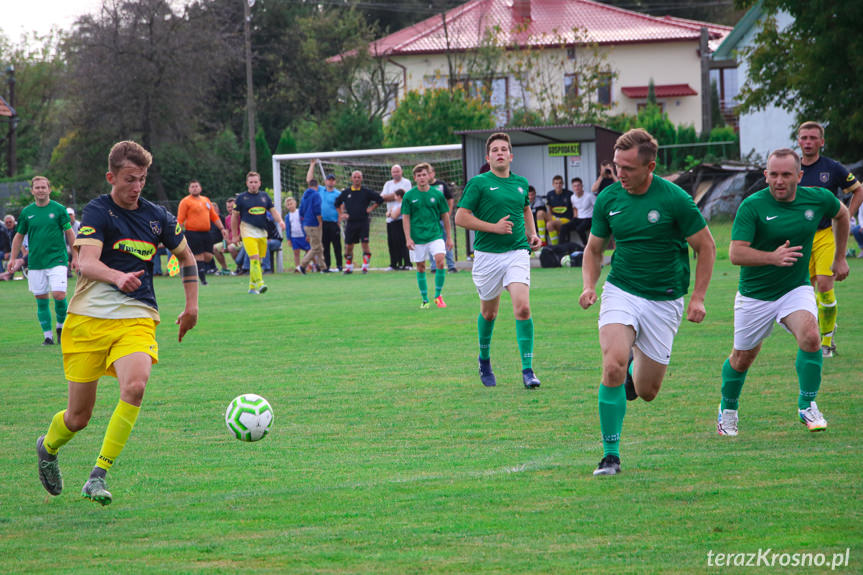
(551, 22)
(5, 109)
(661, 91)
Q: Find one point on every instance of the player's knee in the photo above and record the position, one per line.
(77, 419)
(489, 315)
(810, 341)
(613, 371)
(133, 391)
(648, 394)
(521, 310)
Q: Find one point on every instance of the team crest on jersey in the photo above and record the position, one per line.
(86, 231)
(653, 216)
(824, 177)
(51, 216)
(809, 214)
(520, 189)
(156, 227)
(138, 248)
(257, 211)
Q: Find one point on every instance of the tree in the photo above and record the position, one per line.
(138, 69)
(431, 117)
(809, 69)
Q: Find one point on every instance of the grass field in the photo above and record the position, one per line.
(388, 456)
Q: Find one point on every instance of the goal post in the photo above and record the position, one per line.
(290, 170)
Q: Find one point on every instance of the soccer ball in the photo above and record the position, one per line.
(249, 417)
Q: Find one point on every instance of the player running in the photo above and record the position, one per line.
(652, 220)
(826, 173)
(423, 209)
(111, 326)
(495, 205)
(249, 220)
(771, 241)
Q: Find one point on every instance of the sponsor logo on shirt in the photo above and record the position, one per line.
(156, 227)
(653, 216)
(809, 214)
(258, 211)
(86, 231)
(138, 248)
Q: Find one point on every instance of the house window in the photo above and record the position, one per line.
(494, 91)
(603, 90)
(570, 85)
(641, 105)
(570, 52)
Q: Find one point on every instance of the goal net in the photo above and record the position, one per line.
(290, 170)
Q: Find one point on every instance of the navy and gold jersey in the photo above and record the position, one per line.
(128, 239)
(559, 205)
(253, 208)
(829, 174)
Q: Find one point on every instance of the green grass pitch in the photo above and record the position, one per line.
(387, 455)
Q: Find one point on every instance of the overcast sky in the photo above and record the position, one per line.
(24, 16)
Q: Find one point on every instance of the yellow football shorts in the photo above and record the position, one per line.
(823, 251)
(255, 246)
(91, 345)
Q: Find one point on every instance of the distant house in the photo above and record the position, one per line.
(764, 130)
(634, 48)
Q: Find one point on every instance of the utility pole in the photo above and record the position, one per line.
(13, 121)
(250, 98)
(704, 50)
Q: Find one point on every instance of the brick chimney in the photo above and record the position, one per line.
(521, 9)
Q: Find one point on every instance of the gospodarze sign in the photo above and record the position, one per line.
(570, 149)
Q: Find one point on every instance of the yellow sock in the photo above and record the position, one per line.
(58, 434)
(553, 237)
(256, 276)
(119, 428)
(826, 315)
(540, 229)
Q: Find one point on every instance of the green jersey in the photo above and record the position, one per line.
(490, 198)
(425, 210)
(46, 242)
(651, 259)
(766, 224)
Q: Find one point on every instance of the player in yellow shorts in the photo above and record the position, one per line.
(823, 172)
(111, 325)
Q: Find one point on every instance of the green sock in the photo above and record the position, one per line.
(485, 328)
(809, 374)
(439, 278)
(423, 285)
(612, 409)
(43, 312)
(732, 384)
(60, 311)
(524, 336)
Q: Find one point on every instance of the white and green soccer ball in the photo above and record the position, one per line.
(249, 417)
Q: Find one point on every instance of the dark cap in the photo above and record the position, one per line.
(331, 176)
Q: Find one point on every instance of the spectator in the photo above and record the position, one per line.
(331, 233)
(196, 214)
(857, 230)
(558, 211)
(536, 204)
(46, 224)
(294, 227)
(233, 244)
(450, 200)
(359, 202)
(607, 176)
(218, 236)
(274, 243)
(310, 212)
(582, 212)
(5, 248)
(396, 242)
(76, 225)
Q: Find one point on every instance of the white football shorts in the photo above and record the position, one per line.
(421, 252)
(754, 318)
(655, 322)
(48, 280)
(492, 272)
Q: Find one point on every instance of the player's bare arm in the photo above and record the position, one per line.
(73, 255)
(277, 217)
(189, 272)
(856, 192)
(406, 224)
(235, 225)
(466, 219)
(530, 230)
(742, 254)
(705, 252)
(841, 227)
(447, 226)
(92, 268)
(590, 267)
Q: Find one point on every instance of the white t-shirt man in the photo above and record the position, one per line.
(390, 188)
(583, 205)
